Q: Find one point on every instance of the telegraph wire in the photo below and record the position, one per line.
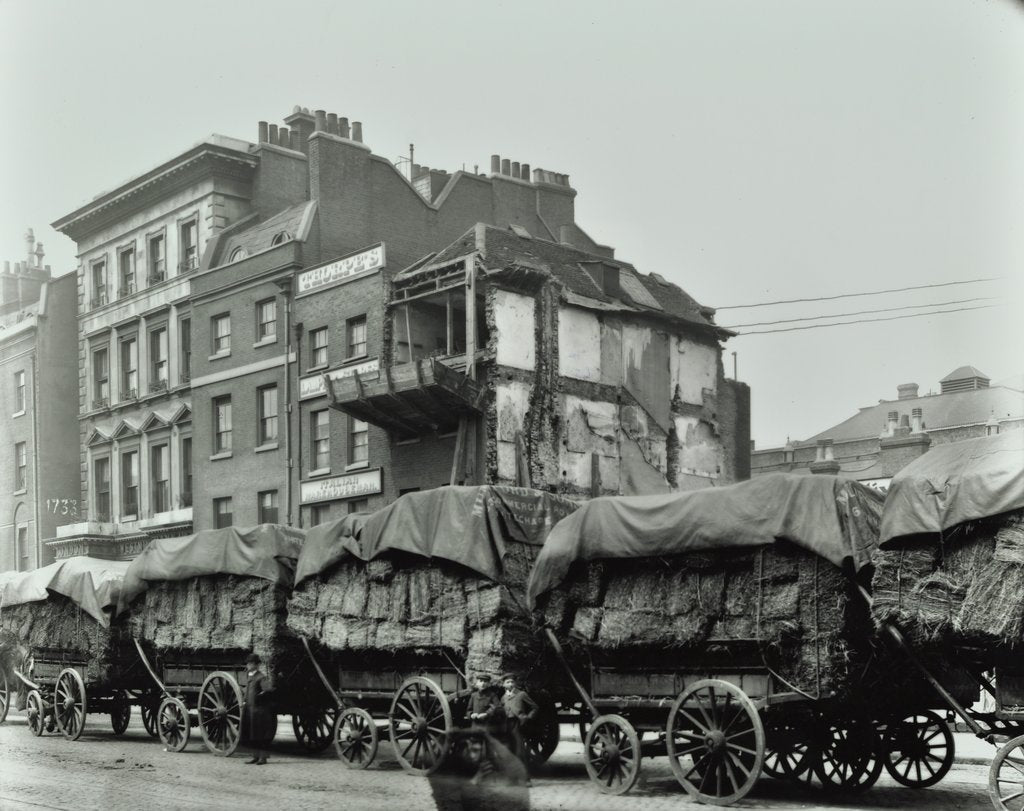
(869, 320)
(856, 295)
(863, 312)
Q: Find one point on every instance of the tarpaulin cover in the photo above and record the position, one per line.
(832, 517)
(954, 483)
(268, 551)
(464, 525)
(91, 583)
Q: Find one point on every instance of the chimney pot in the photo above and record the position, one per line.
(506, 166)
(343, 128)
(525, 172)
(906, 391)
(538, 175)
(916, 421)
(272, 135)
(415, 170)
(294, 142)
(515, 169)
(321, 121)
(495, 164)
(332, 123)
(283, 136)
(264, 132)
(904, 421)
(357, 131)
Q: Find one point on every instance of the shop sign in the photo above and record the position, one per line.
(341, 270)
(353, 485)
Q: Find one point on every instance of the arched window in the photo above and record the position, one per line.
(238, 253)
(279, 237)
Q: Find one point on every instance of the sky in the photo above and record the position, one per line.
(748, 152)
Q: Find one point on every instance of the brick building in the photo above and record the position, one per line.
(39, 487)
(873, 444)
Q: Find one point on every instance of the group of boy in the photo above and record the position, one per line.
(504, 716)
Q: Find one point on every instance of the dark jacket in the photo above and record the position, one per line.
(519, 707)
(260, 718)
(486, 702)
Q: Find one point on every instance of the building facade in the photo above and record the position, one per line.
(39, 487)
(873, 444)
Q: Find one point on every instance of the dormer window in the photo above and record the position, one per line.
(279, 237)
(237, 254)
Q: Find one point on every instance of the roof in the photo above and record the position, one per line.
(938, 411)
(292, 221)
(576, 270)
(963, 373)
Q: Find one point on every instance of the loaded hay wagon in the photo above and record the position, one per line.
(59, 642)
(398, 606)
(721, 627)
(195, 607)
(948, 591)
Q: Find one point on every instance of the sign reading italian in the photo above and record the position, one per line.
(353, 485)
(313, 385)
(341, 269)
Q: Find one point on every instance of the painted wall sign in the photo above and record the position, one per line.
(341, 269)
(313, 385)
(353, 485)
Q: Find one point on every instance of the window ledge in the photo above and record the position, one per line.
(354, 358)
(18, 414)
(357, 465)
(268, 446)
(20, 492)
(218, 355)
(221, 455)
(320, 471)
(265, 342)
(319, 368)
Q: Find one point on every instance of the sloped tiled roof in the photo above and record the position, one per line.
(258, 237)
(964, 373)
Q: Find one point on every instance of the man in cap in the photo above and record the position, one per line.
(260, 719)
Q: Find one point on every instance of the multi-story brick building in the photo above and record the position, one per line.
(39, 487)
(873, 444)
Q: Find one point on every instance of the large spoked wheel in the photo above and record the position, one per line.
(173, 724)
(715, 742)
(612, 754)
(788, 755)
(120, 715)
(5, 697)
(541, 737)
(314, 730)
(69, 704)
(918, 750)
(420, 726)
(35, 707)
(149, 709)
(355, 738)
(850, 760)
(1006, 776)
(220, 713)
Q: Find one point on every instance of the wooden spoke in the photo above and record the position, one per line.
(541, 735)
(420, 743)
(5, 697)
(849, 755)
(612, 754)
(220, 713)
(69, 703)
(36, 713)
(1006, 776)
(314, 730)
(715, 741)
(173, 724)
(120, 713)
(355, 738)
(149, 708)
(921, 744)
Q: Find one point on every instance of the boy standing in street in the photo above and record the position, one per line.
(520, 709)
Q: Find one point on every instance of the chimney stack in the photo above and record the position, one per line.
(824, 459)
(293, 140)
(907, 391)
(892, 422)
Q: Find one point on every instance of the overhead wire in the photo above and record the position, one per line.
(862, 312)
(870, 320)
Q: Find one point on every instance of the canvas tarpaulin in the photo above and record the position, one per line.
(463, 525)
(834, 518)
(267, 551)
(91, 583)
(954, 483)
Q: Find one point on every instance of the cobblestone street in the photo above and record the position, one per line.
(103, 772)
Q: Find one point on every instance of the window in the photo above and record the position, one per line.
(320, 431)
(189, 246)
(267, 414)
(266, 319)
(158, 359)
(126, 272)
(358, 505)
(222, 424)
(318, 514)
(222, 516)
(185, 340)
(101, 377)
(130, 484)
(20, 466)
(22, 532)
(186, 471)
(267, 504)
(358, 442)
(129, 369)
(318, 347)
(157, 260)
(160, 462)
(99, 283)
(357, 336)
(19, 391)
(280, 237)
(237, 254)
(220, 328)
(101, 483)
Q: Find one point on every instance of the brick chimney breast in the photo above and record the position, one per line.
(907, 391)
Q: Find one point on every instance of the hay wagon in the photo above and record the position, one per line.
(69, 658)
(397, 608)
(195, 607)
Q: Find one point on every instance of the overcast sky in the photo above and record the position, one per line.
(748, 152)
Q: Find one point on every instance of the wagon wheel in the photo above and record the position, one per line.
(1006, 776)
(850, 760)
(612, 754)
(69, 703)
(420, 725)
(918, 750)
(314, 729)
(173, 724)
(788, 755)
(220, 713)
(35, 707)
(717, 726)
(120, 714)
(149, 709)
(541, 737)
(355, 738)
(5, 697)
